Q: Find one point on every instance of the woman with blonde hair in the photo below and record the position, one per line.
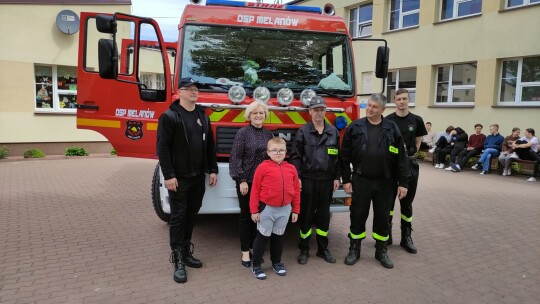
(248, 151)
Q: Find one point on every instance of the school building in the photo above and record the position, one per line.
(465, 61)
(38, 74)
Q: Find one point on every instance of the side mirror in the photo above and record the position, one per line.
(108, 59)
(106, 24)
(381, 66)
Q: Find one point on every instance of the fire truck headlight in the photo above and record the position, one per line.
(237, 94)
(285, 96)
(261, 94)
(340, 122)
(306, 96)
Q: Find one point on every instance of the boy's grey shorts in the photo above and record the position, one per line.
(274, 220)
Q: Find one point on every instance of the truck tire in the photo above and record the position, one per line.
(156, 196)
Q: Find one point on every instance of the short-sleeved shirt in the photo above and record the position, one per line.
(411, 126)
(534, 141)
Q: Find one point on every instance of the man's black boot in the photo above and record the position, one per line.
(177, 260)
(406, 239)
(389, 242)
(303, 257)
(354, 252)
(326, 255)
(189, 259)
(381, 254)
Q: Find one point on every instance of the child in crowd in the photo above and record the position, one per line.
(275, 192)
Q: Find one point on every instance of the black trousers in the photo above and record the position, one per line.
(365, 190)
(463, 157)
(455, 152)
(185, 204)
(315, 209)
(535, 156)
(440, 154)
(406, 202)
(246, 226)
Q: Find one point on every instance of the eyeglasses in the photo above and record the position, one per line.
(277, 152)
(191, 89)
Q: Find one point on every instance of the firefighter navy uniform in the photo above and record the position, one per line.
(316, 158)
(377, 155)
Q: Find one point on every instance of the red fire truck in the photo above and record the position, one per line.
(239, 52)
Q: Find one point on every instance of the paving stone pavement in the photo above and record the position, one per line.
(84, 231)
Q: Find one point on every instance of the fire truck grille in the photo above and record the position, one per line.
(225, 138)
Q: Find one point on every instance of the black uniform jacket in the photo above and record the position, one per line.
(390, 144)
(315, 156)
(173, 147)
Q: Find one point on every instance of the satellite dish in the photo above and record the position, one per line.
(68, 22)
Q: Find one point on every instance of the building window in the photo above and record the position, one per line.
(452, 9)
(360, 20)
(56, 88)
(404, 13)
(520, 81)
(456, 83)
(402, 79)
(514, 3)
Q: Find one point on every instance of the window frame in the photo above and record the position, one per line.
(518, 99)
(402, 15)
(455, 10)
(525, 3)
(412, 91)
(451, 87)
(357, 24)
(56, 92)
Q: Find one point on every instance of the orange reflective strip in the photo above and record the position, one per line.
(105, 123)
(151, 126)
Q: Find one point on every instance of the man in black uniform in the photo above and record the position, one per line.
(186, 151)
(412, 130)
(374, 147)
(315, 154)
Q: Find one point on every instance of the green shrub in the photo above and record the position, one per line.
(4, 151)
(420, 155)
(33, 153)
(113, 151)
(517, 167)
(75, 151)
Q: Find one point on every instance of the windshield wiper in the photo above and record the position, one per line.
(317, 90)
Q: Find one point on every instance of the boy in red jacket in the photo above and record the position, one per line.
(274, 194)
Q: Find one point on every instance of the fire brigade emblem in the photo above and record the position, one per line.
(134, 129)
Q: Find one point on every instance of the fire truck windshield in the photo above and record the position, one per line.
(219, 57)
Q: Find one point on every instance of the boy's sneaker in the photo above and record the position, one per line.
(475, 167)
(449, 168)
(431, 150)
(455, 167)
(279, 268)
(483, 173)
(531, 179)
(258, 273)
(505, 172)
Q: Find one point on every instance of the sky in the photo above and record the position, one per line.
(167, 13)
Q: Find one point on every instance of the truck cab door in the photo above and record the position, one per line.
(124, 80)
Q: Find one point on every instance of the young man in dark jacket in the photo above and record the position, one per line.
(374, 147)
(186, 151)
(315, 154)
(412, 130)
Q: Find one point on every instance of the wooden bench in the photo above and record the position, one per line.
(523, 166)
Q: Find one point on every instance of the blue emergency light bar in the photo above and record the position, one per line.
(295, 8)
